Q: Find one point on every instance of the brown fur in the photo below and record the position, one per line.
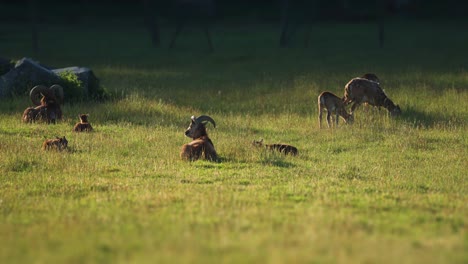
(201, 144)
(198, 148)
(49, 111)
(83, 125)
(282, 148)
(360, 90)
(334, 105)
(56, 143)
(374, 78)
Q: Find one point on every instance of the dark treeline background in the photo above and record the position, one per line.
(236, 10)
(288, 15)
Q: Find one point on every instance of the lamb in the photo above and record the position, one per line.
(333, 104)
(201, 143)
(282, 148)
(56, 143)
(83, 125)
(47, 101)
(360, 90)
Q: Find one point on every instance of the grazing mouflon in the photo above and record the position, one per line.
(360, 90)
(334, 105)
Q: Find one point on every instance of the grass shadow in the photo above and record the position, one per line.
(275, 159)
(422, 119)
(279, 163)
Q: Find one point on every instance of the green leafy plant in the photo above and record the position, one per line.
(72, 86)
(75, 90)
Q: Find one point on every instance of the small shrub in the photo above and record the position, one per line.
(72, 86)
(75, 91)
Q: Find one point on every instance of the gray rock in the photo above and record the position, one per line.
(25, 75)
(85, 75)
(28, 73)
(5, 65)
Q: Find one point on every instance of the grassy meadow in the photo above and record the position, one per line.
(381, 190)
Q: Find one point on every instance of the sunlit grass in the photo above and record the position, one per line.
(381, 190)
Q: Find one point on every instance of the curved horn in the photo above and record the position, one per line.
(58, 92)
(37, 92)
(205, 118)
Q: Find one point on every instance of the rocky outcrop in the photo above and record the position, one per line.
(25, 75)
(85, 75)
(28, 73)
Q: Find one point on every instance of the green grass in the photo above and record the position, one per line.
(380, 191)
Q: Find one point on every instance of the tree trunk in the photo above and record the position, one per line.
(151, 21)
(193, 13)
(284, 38)
(34, 34)
(381, 21)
